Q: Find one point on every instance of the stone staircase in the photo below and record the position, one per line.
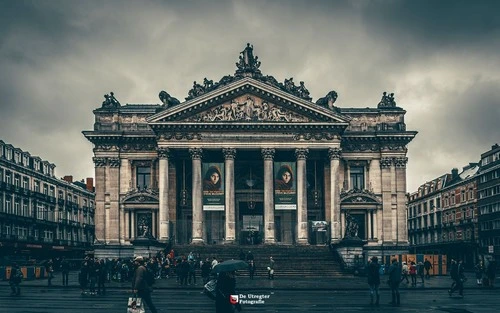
(290, 261)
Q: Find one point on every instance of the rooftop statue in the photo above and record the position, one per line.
(110, 101)
(167, 99)
(248, 63)
(328, 100)
(387, 101)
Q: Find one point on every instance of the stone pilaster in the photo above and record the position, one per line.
(100, 190)
(163, 155)
(196, 155)
(113, 188)
(269, 228)
(229, 156)
(400, 178)
(302, 229)
(336, 226)
(388, 216)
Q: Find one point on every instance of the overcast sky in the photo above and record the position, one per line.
(440, 58)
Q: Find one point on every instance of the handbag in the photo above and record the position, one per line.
(210, 289)
(135, 305)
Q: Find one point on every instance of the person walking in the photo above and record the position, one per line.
(404, 272)
(140, 286)
(479, 271)
(192, 272)
(427, 266)
(374, 280)
(413, 274)
(420, 271)
(16, 276)
(65, 271)
(226, 285)
(270, 268)
(457, 274)
(394, 281)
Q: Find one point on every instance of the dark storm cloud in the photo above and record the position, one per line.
(58, 59)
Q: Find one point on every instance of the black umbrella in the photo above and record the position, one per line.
(230, 266)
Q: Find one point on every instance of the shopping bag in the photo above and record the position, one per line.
(209, 289)
(135, 305)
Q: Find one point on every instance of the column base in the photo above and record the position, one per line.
(269, 241)
(198, 241)
(230, 241)
(302, 242)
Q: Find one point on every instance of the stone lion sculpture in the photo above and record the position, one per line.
(168, 100)
(328, 100)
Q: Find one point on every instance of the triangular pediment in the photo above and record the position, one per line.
(248, 101)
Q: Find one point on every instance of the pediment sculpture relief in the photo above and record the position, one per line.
(248, 109)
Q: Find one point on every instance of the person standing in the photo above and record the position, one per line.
(65, 271)
(251, 269)
(16, 276)
(139, 285)
(394, 281)
(101, 277)
(49, 269)
(404, 271)
(192, 272)
(205, 271)
(270, 268)
(427, 266)
(374, 280)
(479, 270)
(413, 274)
(420, 271)
(491, 271)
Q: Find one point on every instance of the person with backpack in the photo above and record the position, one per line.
(16, 276)
(140, 285)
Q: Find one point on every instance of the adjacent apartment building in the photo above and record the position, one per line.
(443, 215)
(489, 202)
(42, 216)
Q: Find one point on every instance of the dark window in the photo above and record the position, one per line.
(357, 177)
(143, 177)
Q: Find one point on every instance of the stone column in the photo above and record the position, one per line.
(163, 154)
(336, 229)
(375, 225)
(229, 155)
(302, 229)
(369, 219)
(387, 214)
(127, 226)
(133, 231)
(113, 223)
(196, 154)
(269, 228)
(400, 178)
(100, 190)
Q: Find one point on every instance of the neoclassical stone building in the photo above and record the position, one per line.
(250, 160)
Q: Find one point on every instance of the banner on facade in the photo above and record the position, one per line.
(213, 186)
(285, 186)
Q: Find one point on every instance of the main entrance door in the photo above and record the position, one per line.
(251, 223)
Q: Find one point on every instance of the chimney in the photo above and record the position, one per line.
(90, 184)
(68, 178)
(454, 173)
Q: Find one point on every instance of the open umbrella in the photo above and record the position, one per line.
(229, 266)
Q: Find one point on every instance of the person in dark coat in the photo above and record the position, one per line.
(491, 271)
(65, 271)
(394, 281)
(251, 269)
(101, 277)
(16, 276)
(428, 266)
(83, 276)
(457, 274)
(139, 285)
(206, 267)
(374, 279)
(226, 286)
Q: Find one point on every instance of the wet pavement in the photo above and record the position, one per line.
(347, 282)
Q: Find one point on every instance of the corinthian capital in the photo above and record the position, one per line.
(100, 162)
(163, 153)
(301, 154)
(385, 162)
(400, 162)
(114, 162)
(268, 153)
(196, 153)
(334, 153)
(229, 153)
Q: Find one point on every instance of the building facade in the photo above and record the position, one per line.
(443, 216)
(42, 216)
(250, 160)
(489, 202)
